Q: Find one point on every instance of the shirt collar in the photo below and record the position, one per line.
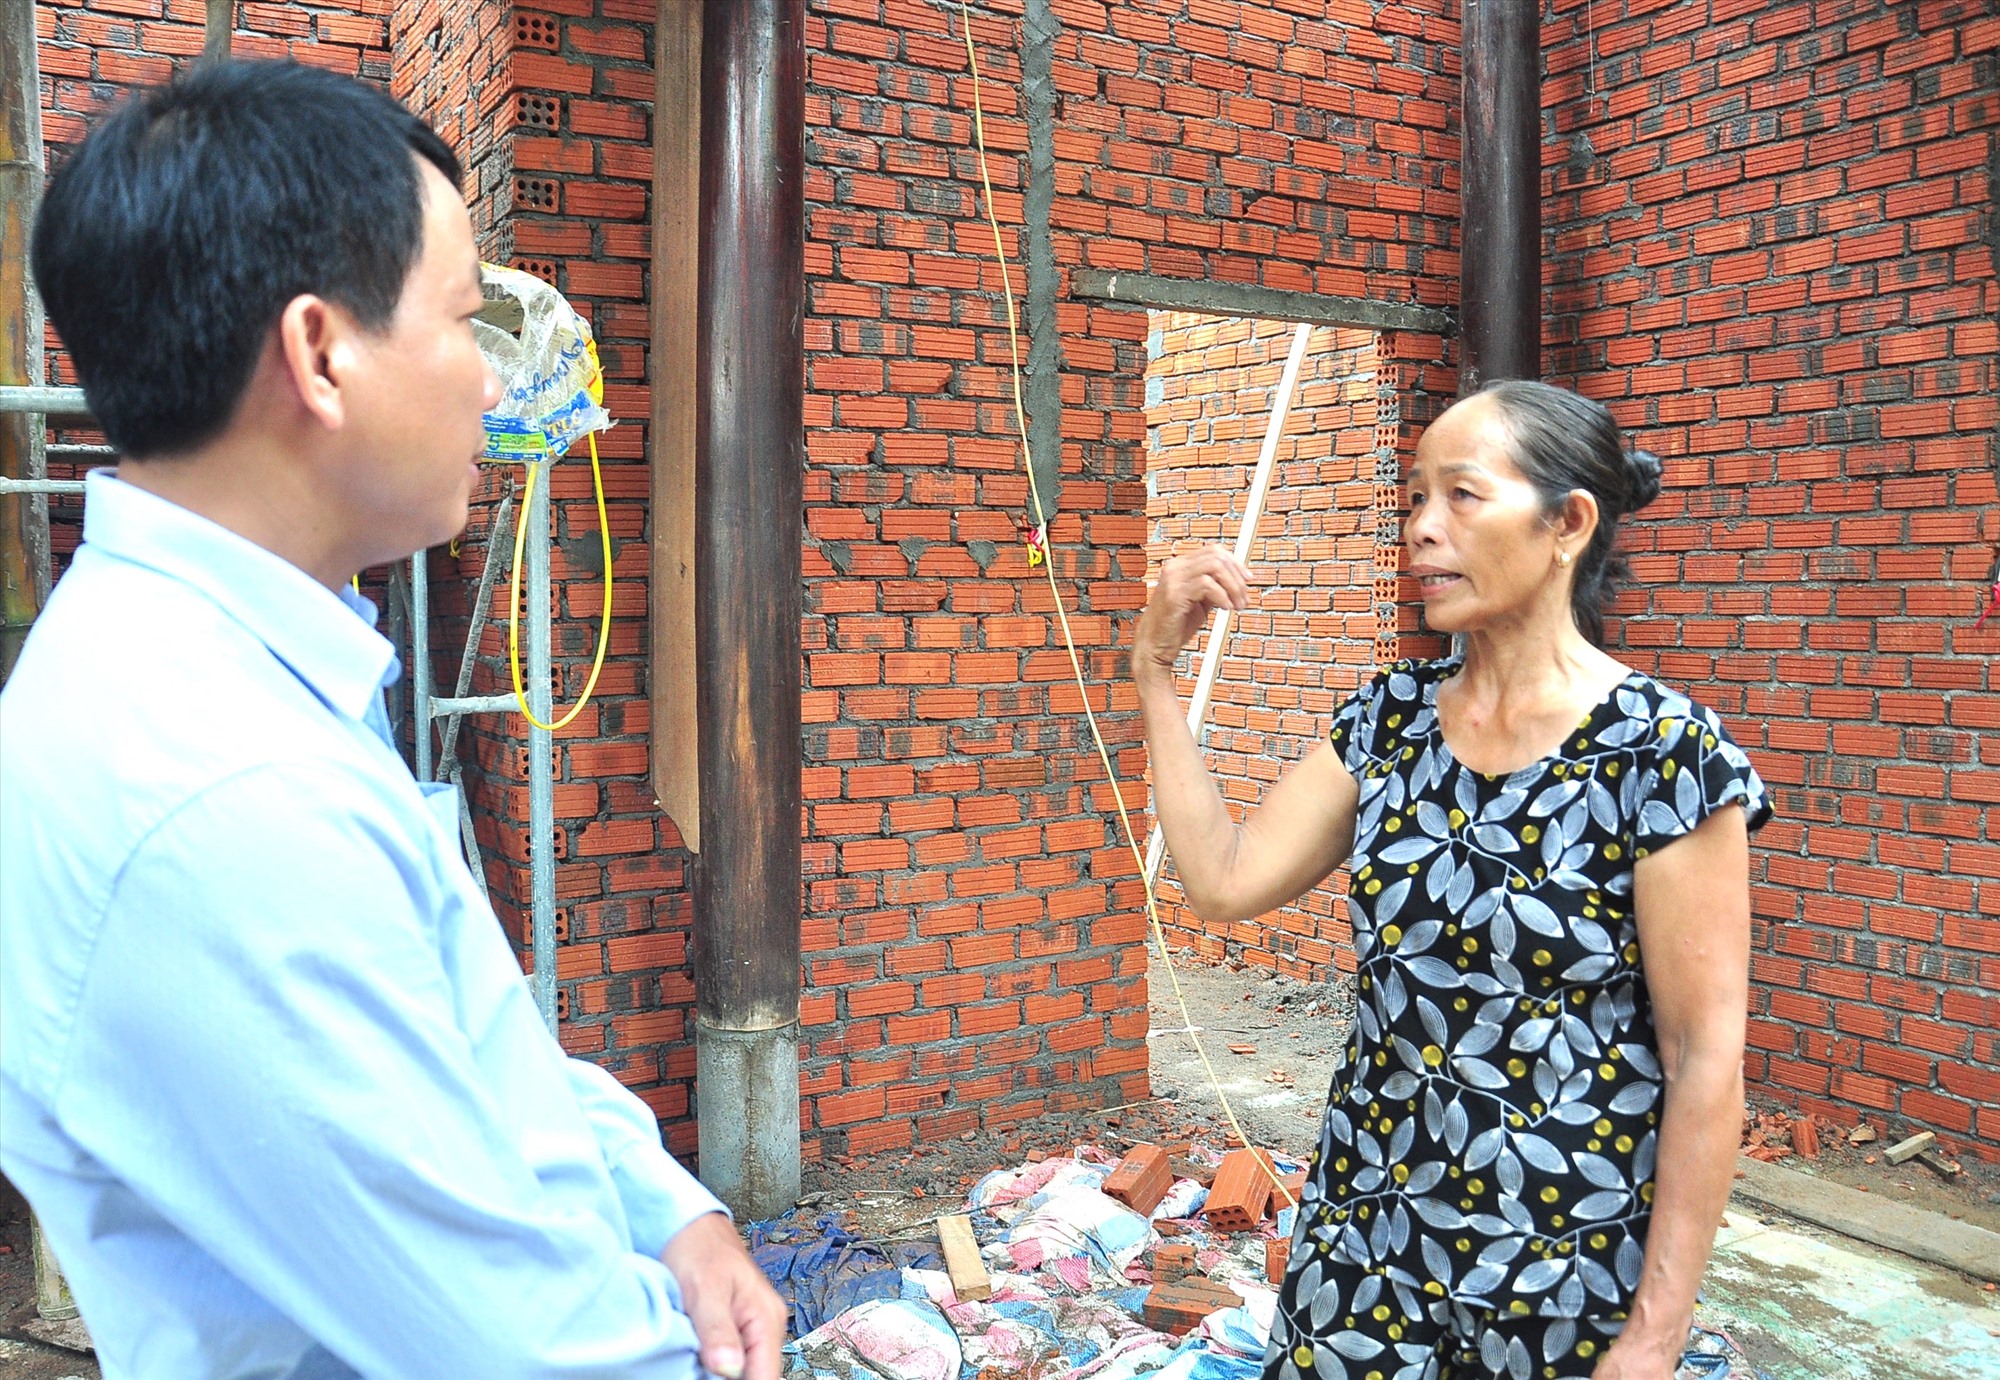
(328, 640)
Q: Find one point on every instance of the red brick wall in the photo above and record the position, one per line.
(551, 110)
(972, 920)
(968, 878)
(1211, 383)
(91, 53)
(1772, 255)
(1766, 222)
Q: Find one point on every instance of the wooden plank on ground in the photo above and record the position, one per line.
(961, 1259)
(1915, 1145)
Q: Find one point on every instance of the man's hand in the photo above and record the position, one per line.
(737, 1315)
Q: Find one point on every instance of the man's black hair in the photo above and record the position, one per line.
(169, 243)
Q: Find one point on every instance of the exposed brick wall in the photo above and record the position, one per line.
(1773, 256)
(973, 921)
(1770, 250)
(1211, 383)
(551, 110)
(92, 53)
(974, 916)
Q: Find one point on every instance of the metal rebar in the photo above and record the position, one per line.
(40, 486)
(496, 551)
(420, 661)
(451, 706)
(396, 610)
(467, 833)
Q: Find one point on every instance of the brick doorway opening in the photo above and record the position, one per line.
(1212, 383)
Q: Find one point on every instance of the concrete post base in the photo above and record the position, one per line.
(747, 1114)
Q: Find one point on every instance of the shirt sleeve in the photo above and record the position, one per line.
(1353, 731)
(1696, 769)
(284, 1074)
(659, 1195)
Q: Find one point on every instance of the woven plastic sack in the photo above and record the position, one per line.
(553, 387)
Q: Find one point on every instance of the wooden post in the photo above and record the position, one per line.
(748, 538)
(676, 282)
(24, 518)
(1500, 293)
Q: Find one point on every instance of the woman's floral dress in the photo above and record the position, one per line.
(1488, 1147)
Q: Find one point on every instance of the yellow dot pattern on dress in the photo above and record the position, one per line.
(1499, 983)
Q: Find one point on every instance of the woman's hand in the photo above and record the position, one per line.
(1631, 1358)
(1189, 587)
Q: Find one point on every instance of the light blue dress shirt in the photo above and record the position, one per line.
(269, 1073)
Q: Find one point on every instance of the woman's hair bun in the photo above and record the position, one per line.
(1642, 479)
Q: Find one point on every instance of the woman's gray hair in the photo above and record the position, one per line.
(1562, 442)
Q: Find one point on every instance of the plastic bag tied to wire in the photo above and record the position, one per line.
(553, 387)
(552, 396)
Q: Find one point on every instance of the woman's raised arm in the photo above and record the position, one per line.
(1305, 826)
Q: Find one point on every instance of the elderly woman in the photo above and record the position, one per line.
(1530, 1139)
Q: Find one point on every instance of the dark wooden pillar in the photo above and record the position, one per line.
(749, 501)
(1500, 304)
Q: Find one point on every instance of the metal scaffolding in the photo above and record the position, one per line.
(430, 709)
(34, 405)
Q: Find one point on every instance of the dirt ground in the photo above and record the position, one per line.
(1272, 1042)
(23, 1357)
(1971, 1195)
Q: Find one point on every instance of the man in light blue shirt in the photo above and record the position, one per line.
(269, 1073)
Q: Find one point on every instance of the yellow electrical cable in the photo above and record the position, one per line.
(514, 594)
(1062, 616)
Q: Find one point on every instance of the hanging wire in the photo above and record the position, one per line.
(1040, 539)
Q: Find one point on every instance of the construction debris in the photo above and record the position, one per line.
(1768, 1136)
(1940, 1166)
(1169, 1261)
(821, 1269)
(1277, 1255)
(961, 1258)
(1909, 1149)
(1180, 1306)
(1141, 1179)
(1066, 1270)
(1242, 1188)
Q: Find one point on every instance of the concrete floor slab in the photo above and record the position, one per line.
(1928, 1236)
(1806, 1306)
